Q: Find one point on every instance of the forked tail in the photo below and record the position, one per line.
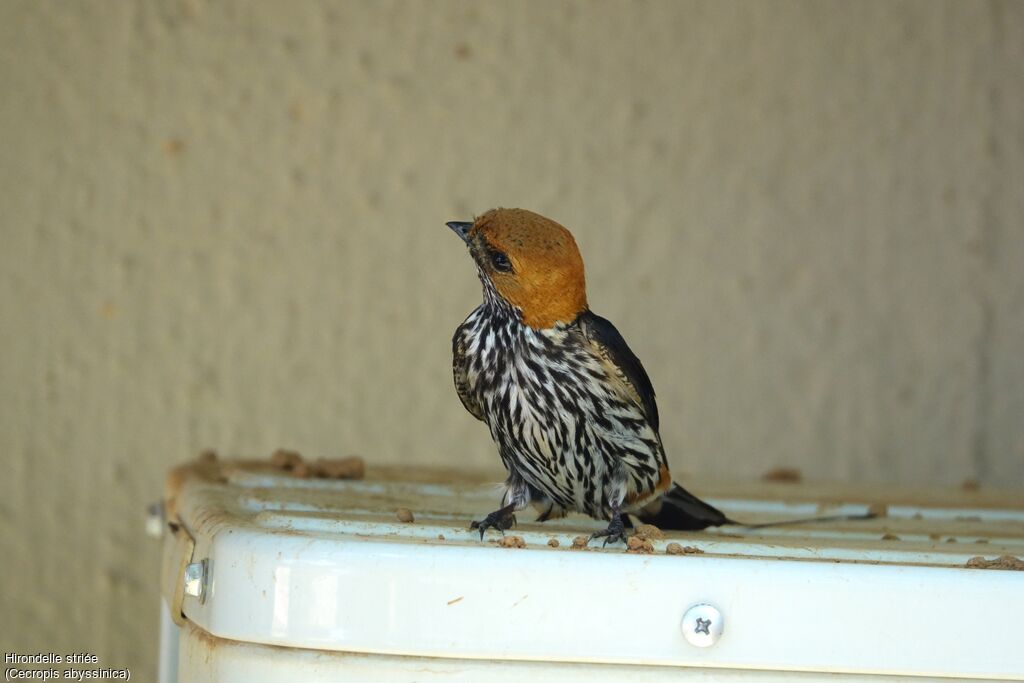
(680, 510)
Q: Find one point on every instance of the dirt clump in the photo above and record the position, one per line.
(512, 542)
(783, 475)
(351, 467)
(1003, 562)
(635, 544)
(646, 531)
(676, 549)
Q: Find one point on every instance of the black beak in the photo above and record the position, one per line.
(461, 229)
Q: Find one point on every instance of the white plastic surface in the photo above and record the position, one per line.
(205, 659)
(325, 566)
(167, 664)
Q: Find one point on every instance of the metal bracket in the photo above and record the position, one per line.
(178, 548)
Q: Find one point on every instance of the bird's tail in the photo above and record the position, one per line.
(681, 510)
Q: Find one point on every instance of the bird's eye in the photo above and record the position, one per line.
(501, 262)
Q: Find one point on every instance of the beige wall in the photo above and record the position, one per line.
(223, 225)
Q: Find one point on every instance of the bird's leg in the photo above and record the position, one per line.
(548, 508)
(616, 530)
(517, 497)
(501, 519)
(615, 494)
(546, 515)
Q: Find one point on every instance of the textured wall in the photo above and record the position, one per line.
(223, 225)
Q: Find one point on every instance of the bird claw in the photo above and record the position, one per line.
(501, 520)
(615, 532)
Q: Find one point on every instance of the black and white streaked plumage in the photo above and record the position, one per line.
(568, 404)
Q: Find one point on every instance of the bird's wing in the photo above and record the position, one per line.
(621, 362)
(460, 369)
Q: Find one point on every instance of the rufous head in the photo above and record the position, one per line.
(532, 261)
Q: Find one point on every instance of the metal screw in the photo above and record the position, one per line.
(702, 625)
(195, 580)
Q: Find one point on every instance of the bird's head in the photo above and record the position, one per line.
(532, 262)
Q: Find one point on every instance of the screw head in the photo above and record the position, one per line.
(702, 625)
(195, 580)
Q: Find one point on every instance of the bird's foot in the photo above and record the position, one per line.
(502, 519)
(615, 532)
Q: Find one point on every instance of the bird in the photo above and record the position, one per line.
(570, 407)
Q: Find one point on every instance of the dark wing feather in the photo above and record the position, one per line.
(610, 345)
(460, 365)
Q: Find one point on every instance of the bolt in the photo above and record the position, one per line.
(195, 580)
(702, 625)
(155, 521)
